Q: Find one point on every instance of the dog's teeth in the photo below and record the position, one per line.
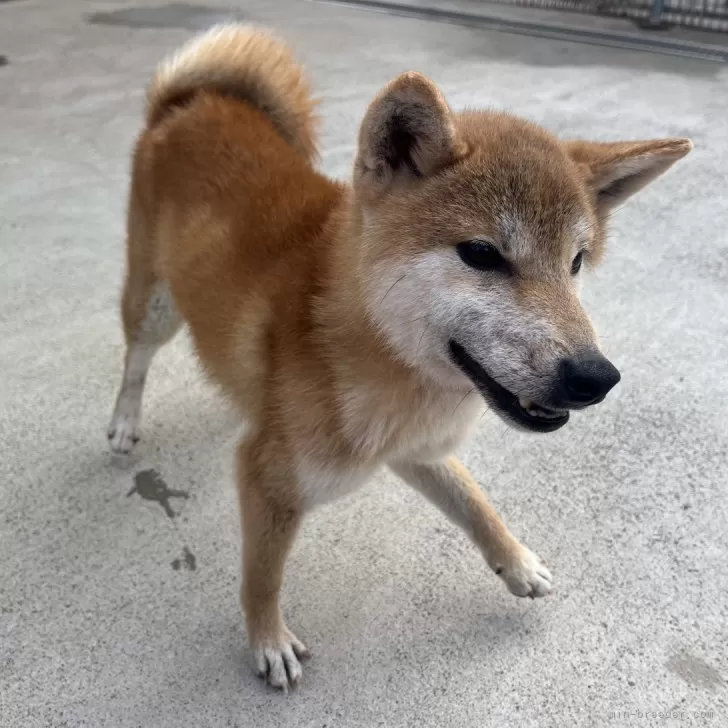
(536, 410)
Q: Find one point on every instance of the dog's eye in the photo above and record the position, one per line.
(576, 263)
(481, 255)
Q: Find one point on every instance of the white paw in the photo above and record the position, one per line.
(525, 575)
(277, 659)
(123, 431)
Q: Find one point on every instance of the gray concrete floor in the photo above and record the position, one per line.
(114, 614)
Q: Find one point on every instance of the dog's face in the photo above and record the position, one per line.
(475, 230)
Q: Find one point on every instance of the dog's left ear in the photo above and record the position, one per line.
(408, 132)
(615, 171)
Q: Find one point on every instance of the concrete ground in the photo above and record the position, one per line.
(118, 582)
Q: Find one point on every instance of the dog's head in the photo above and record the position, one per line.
(475, 227)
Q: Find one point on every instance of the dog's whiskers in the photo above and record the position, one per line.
(415, 320)
(604, 219)
(424, 331)
(474, 389)
(389, 290)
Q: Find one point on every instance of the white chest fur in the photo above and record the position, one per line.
(398, 428)
(385, 432)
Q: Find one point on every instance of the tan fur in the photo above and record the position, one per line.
(243, 63)
(324, 311)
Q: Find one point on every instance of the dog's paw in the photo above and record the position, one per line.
(277, 660)
(524, 574)
(123, 432)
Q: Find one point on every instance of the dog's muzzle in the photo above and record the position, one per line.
(581, 381)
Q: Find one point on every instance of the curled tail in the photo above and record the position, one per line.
(245, 63)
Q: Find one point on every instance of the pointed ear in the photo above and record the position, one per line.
(616, 171)
(407, 132)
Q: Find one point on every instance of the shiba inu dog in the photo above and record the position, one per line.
(362, 325)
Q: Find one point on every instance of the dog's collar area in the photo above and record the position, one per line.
(519, 411)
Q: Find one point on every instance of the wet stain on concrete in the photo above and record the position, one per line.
(150, 485)
(695, 672)
(174, 15)
(3, 61)
(188, 560)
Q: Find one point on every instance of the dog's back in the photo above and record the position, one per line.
(225, 203)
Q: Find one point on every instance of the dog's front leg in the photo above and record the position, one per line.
(451, 488)
(270, 516)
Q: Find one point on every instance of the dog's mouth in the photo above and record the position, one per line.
(518, 410)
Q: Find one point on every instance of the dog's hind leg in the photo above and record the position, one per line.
(150, 319)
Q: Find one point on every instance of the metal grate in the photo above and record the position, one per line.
(701, 14)
(514, 17)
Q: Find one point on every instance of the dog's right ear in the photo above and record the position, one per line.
(407, 132)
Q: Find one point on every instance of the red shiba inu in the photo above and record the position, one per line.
(368, 324)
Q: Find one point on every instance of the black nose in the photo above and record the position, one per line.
(586, 378)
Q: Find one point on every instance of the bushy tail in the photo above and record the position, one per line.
(248, 64)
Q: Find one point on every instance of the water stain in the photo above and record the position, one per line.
(4, 61)
(174, 15)
(695, 672)
(188, 560)
(150, 485)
